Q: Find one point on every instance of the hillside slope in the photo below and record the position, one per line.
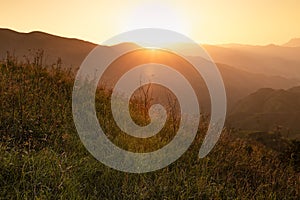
(238, 82)
(42, 156)
(269, 109)
(71, 51)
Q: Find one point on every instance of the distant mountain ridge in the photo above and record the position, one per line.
(270, 60)
(238, 81)
(274, 60)
(72, 51)
(267, 109)
(295, 42)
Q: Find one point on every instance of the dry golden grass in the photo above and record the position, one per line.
(42, 157)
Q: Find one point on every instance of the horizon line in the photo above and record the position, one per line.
(92, 42)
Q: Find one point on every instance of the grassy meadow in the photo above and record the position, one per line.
(42, 157)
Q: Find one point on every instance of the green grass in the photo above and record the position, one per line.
(42, 157)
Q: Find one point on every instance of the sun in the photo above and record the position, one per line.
(156, 15)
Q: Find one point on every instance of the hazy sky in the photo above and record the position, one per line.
(206, 21)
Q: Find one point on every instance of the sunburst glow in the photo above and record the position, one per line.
(149, 15)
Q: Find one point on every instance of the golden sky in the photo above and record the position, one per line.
(205, 21)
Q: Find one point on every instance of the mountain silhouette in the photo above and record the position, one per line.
(268, 109)
(71, 51)
(270, 60)
(239, 82)
(293, 43)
